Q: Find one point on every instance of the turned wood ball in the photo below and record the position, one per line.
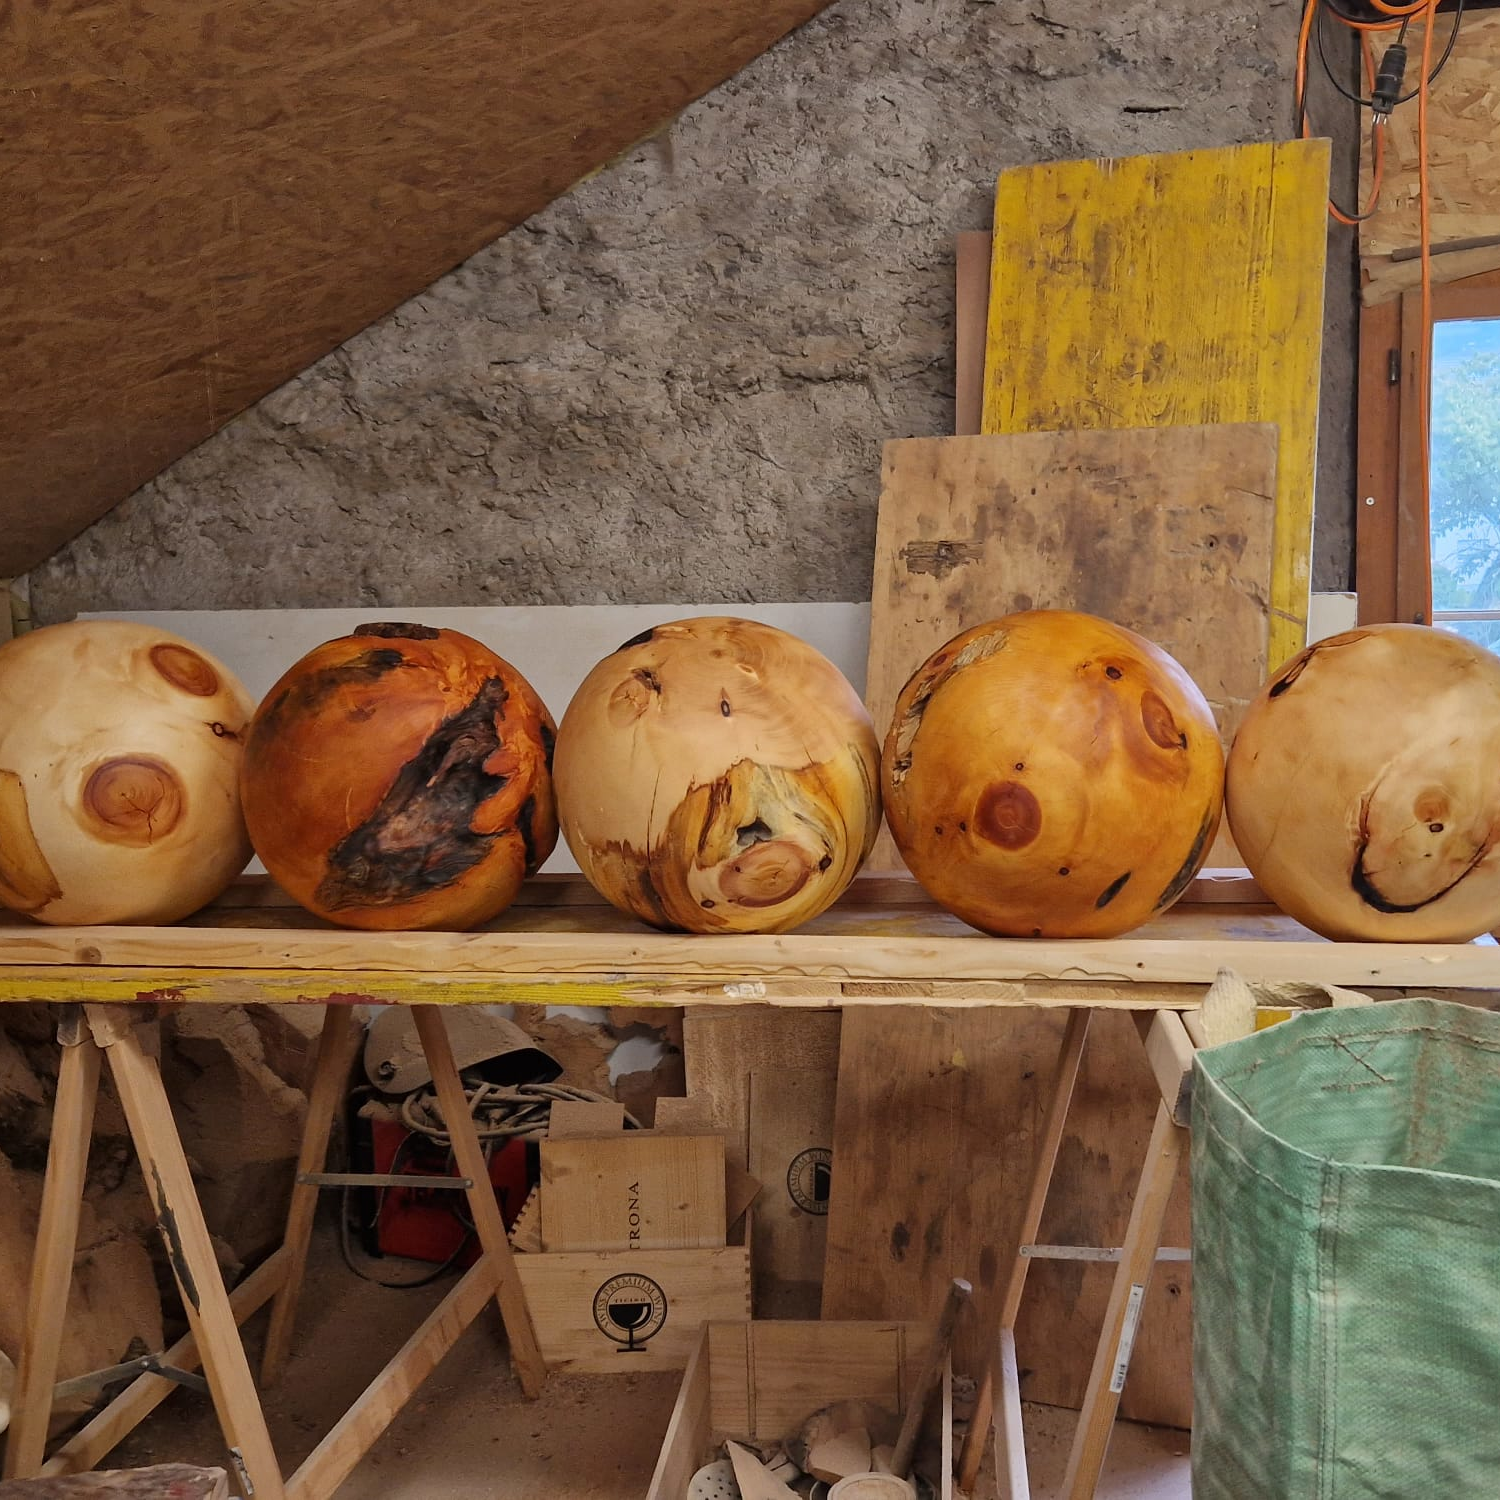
(120, 750)
(718, 775)
(1363, 787)
(1050, 774)
(400, 777)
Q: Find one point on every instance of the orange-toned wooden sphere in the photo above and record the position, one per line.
(1363, 787)
(718, 775)
(400, 777)
(1050, 774)
(120, 754)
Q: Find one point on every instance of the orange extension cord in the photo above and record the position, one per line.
(1425, 12)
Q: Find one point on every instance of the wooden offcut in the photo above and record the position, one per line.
(195, 212)
(569, 1296)
(159, 1482)
(1157, 291)
(631, 1192)
(939, 1114)
(1168, 531)
(768, 1077)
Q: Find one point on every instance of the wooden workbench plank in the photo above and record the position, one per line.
(689, 971)
(1155, 291)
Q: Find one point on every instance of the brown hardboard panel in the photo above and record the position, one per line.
(938, 1113)
(767, 1077)
(1165, 530)
(199, 203)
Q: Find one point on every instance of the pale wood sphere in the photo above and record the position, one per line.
(718, 775)
(399, 777)
(1051, 774)
(1363, 787)
(120, 750)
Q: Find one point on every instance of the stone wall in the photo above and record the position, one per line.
(673, 383)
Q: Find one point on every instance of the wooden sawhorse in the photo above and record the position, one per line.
(1170, 1040)
(92, 1032)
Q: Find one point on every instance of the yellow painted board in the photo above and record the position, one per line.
(1158, 291)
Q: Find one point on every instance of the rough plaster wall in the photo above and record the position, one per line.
(674, 382)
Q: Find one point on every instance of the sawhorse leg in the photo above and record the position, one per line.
(1169, 1050)
(336, 1048)
(56, 1243)
(190, 1252)
(525, 1352)
(1112, 1357)
(1069, 1059)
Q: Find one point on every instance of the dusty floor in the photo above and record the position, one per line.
(468, 1435)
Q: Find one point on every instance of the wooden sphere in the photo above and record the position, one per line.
(720, 776)
(400, 777)
(1053, 775)
(120, 753)
(1363, 788)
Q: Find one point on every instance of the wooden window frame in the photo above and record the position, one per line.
(1392, 536)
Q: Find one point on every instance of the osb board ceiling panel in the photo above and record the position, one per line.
(1463, 121)
(199, 203)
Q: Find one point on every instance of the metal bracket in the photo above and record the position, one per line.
(1095, 1252)
(381, 1179)
(147, 1364)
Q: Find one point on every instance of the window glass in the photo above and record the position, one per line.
(1465, 433)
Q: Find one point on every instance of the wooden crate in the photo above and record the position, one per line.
(760, 1381)
(582, 1303)
(636, 1191)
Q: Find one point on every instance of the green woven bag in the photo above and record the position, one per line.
(1346, 1258)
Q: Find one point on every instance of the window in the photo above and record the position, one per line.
(1439, 566)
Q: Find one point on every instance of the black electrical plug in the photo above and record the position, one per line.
(1388, 81)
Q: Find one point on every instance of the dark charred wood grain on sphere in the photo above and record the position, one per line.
(1365, 888)
(1008, 815)
(1191, 865)
(185, 669)
(1112, 890)
(420, 837)
(635, 640)
(397, 630)
(304, 696)
(525, 819)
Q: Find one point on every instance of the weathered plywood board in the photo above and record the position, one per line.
(1463, 124)
(768, 1079)
(1166, 530)
(196, 209)
(615, 1314)
(634, 1191)
(1158, 291)
(938, 1114)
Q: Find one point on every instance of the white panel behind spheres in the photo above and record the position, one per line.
(554, 646)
